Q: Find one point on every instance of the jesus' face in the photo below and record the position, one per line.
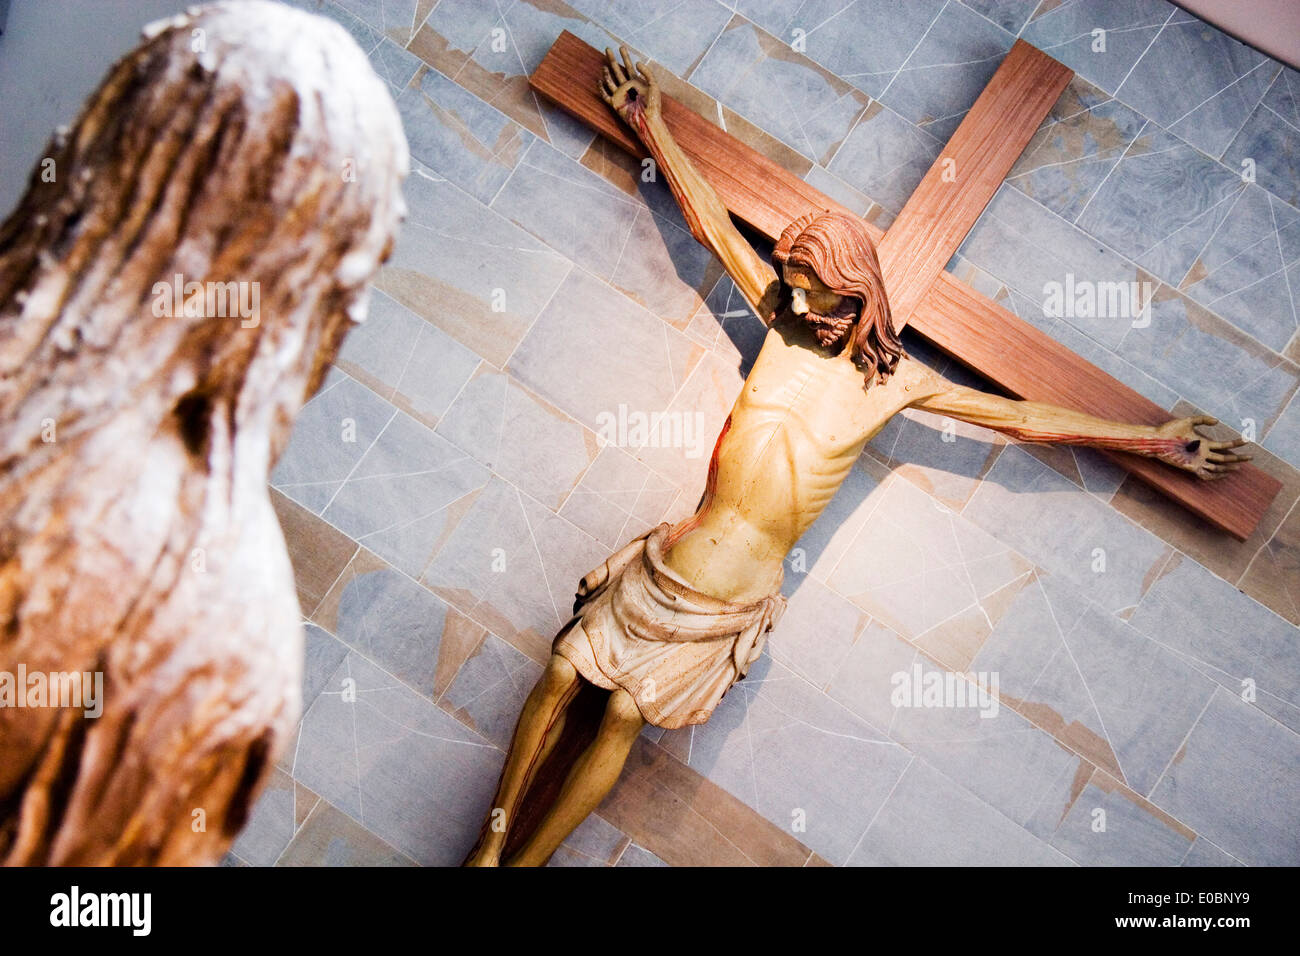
(830, 315)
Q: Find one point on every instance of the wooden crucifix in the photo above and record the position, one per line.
(1006, 350)
(669, 623)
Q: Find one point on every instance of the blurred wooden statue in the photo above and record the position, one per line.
(173, 285)
(669, 623)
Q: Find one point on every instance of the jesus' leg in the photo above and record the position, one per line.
(587, 783)
(538, 729)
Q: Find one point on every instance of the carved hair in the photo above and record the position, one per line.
(838, 250)
(242, 145)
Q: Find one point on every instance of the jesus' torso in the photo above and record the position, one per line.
(798, 426)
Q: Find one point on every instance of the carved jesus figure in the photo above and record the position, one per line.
(669, 623)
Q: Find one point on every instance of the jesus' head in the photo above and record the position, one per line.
(831, 282)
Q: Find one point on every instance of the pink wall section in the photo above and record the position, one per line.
(1272, 26)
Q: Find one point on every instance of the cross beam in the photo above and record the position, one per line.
(1021, 359)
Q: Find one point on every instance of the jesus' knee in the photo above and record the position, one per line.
(622, 720)
(558, 677)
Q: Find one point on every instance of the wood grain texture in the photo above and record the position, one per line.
(977, 332)
(137, 539)
(955, 190)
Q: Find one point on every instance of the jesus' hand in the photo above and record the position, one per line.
(1194, 452)
(625, 84)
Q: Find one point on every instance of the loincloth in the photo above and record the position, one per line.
(638, 626)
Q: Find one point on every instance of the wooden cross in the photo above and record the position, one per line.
(1023, 361)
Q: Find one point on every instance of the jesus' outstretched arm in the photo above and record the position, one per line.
(1177, 442)
(633, 93)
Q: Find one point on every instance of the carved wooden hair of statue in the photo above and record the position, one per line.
(839, 251)
(244, 143)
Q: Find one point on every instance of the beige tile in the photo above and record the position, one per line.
(332, 838)
(318, 550)
(686, 820)
(1273, 575)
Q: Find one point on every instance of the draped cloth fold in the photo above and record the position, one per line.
(638, 626)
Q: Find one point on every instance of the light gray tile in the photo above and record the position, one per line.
(1236, 781)
(1161, 203)
(862, 41)
(1107, 826)
(864, 679)
(639, 856)
(570, 208)
(330, 435)
(726, 322)
(503, 425)
(1242, 274)
(761, 78)
(797, 758)
(271, 825)
(490, 689)
(1283, 439)
(397, 764)
(396, 623)
(1044, 516)
(1197, 613)
(395, 66)
(820, 548)
(1210, 363)
(554, 359)
(1075, 149)
(1033, 252)
(820, 178)
(942, 455)
(1205, 853)
(1099, 684)
(330, 837)
(1065, 31)
(452, 131)
(468, 271)
(1003, 759)
(397, 501)
(1283, 96)
(396, 19)
(618, 498)
(676, 38)
(947, 71)
(816, 631)
(1198, 83)
(682, 447)
(885, 157)
(594, 843)
(324, 653)
(514, 566)
(931, 821)
(645, 253)
(1010, 15)
(916, 565)
(366, 36)
(1085, 347)
(406, 360)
